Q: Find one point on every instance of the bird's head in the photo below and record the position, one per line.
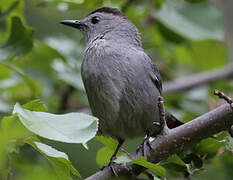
(106, 22)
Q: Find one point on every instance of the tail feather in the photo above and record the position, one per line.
(172, 121)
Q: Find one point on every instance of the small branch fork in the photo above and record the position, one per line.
(221, 95)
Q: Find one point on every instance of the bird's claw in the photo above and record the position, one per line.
(111, 163)
(141, 147)
(111, 166)
(146, 143)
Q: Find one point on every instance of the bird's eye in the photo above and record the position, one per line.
(95, 20)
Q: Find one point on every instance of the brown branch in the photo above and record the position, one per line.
(198, 79)
(65, 96)
(200, 128)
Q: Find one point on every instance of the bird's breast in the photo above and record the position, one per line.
(117, 93)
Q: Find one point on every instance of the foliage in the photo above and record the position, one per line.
(40, 60)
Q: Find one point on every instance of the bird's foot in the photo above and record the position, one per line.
(111, 166)
(146, 143)
(142, 147)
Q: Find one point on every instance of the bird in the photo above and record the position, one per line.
(121, 81)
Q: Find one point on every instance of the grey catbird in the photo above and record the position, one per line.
(121, 82)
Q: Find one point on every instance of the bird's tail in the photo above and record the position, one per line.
(172, 121)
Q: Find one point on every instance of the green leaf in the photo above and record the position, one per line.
(12, 136)
(60, 161)
(19, 42)
(103, 155)
(9, 10)
(176, 160)
(49, 151)
(174, 163)
(40, 60)
(229, 145)
(12, 128)
(35, 105)
(6, 4)
(159, 170)
(203, 59)
(159, 3)
(194, 21)
(123, 159)
(107, 141)
(69, 73)
(70, 128)
(33, 85)
(209, 146)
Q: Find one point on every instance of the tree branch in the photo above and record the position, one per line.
(200, 128)
(64, 102)
(195, 80)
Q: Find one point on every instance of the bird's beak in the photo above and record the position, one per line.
(73, 23)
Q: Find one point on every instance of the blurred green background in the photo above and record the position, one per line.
(40, 59)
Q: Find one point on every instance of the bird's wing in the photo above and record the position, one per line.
(154, 74)
(171, 120)
(156, 78)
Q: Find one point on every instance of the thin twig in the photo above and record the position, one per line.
(221, 95)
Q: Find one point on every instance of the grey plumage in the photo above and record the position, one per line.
(120, 88)
(121, 82)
